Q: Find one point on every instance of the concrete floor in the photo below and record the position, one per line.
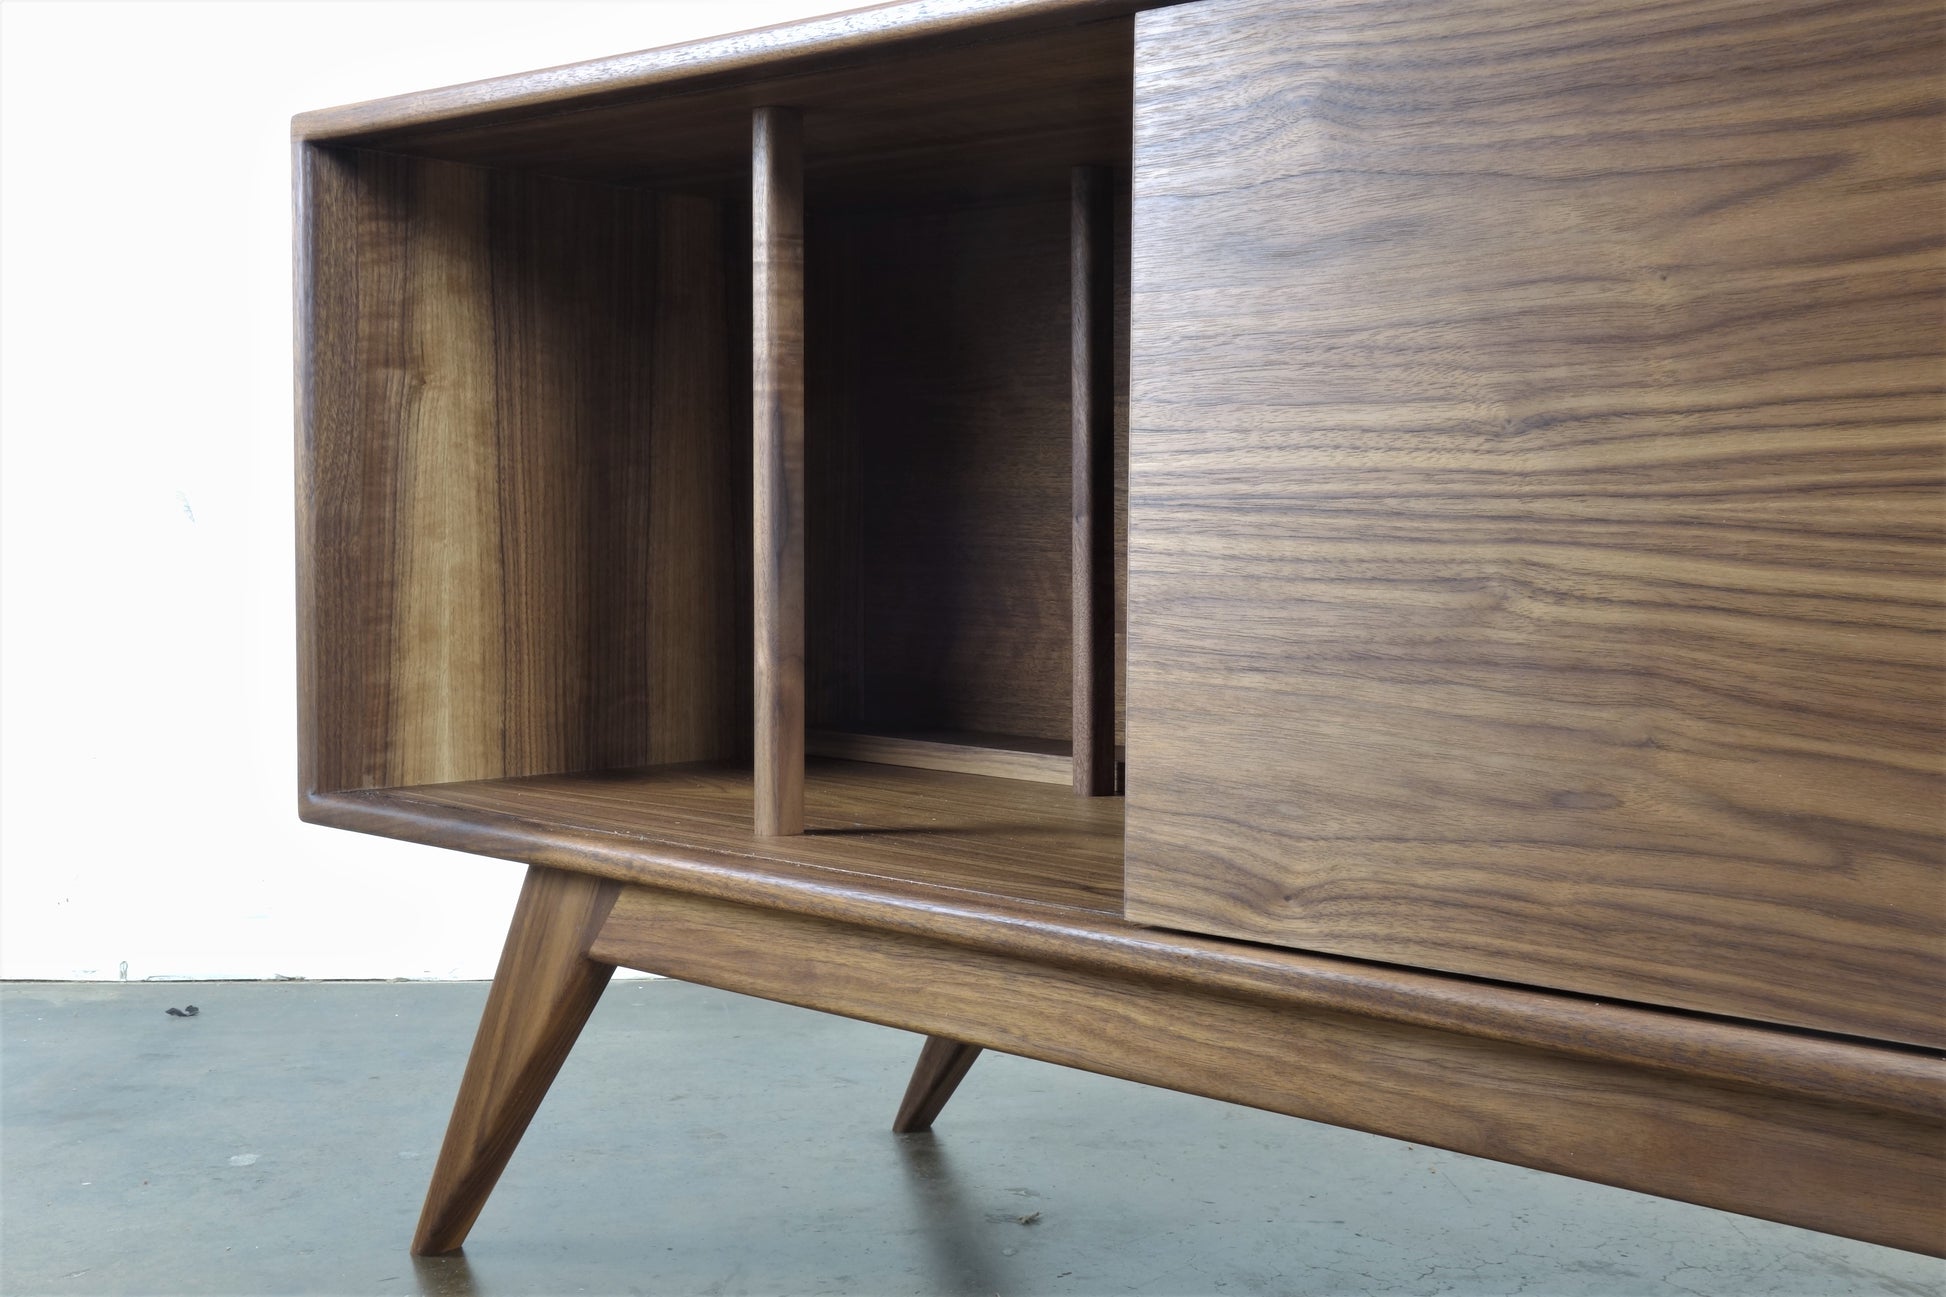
(699, 1142)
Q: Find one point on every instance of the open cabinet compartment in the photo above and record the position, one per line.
(527, 491)
(940, 481)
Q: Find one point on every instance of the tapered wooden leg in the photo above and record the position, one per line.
(542, 994)
(942, 1064)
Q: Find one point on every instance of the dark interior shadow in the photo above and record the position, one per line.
(943, 830)
(954, 1229)
(876, 831)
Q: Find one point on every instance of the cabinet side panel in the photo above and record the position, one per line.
(1536, 495)
(488, 563)
(351, 238)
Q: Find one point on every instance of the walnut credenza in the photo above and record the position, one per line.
(1377, 561)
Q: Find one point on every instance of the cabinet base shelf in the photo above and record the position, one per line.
(988, 911)
(877, 833)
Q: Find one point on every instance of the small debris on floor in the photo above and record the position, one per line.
(187, 1011)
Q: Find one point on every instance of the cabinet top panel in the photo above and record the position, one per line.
(977, 87)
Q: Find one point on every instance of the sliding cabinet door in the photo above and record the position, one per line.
(1535, 494)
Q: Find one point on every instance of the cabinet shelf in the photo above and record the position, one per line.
(1029, 872)
(901, 828)
(989, 909)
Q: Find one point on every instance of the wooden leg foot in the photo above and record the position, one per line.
(543, 992)
(942, 1063)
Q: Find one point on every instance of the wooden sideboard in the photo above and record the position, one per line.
(1385, 562)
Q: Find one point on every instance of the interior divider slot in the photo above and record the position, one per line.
(1092, 363)
(1006, 756)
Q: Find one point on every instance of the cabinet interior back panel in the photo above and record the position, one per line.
(940, 466)
(1536, 495)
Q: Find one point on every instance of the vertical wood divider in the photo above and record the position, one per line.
(1092, 362)
(777, 320)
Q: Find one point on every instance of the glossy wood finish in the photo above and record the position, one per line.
(1817, 1130)
(1002, 756)
(1091, 362)
(1008, 841)
(871, 36)
(942, 1065)
(1868, 1174)
(971, 98)
(1031, 871)
(1537, 540)
(524, 546)
(777, 258)
(544, 990)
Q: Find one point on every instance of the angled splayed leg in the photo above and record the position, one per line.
(543, 992)
(942, 1064)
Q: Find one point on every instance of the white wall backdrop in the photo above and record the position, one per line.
(147, 696)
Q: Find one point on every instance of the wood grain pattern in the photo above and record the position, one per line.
(1830, 1167)
(1091, 361)
(1536, 519)
(492, 583)
(983, 100)
(940, 405)
(698, 496)
(942, 1065)
(446, 587)
(997, 755)
(1031, 871)
(542, 994)
(777, 331)
(891, 31)
(873, 824)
